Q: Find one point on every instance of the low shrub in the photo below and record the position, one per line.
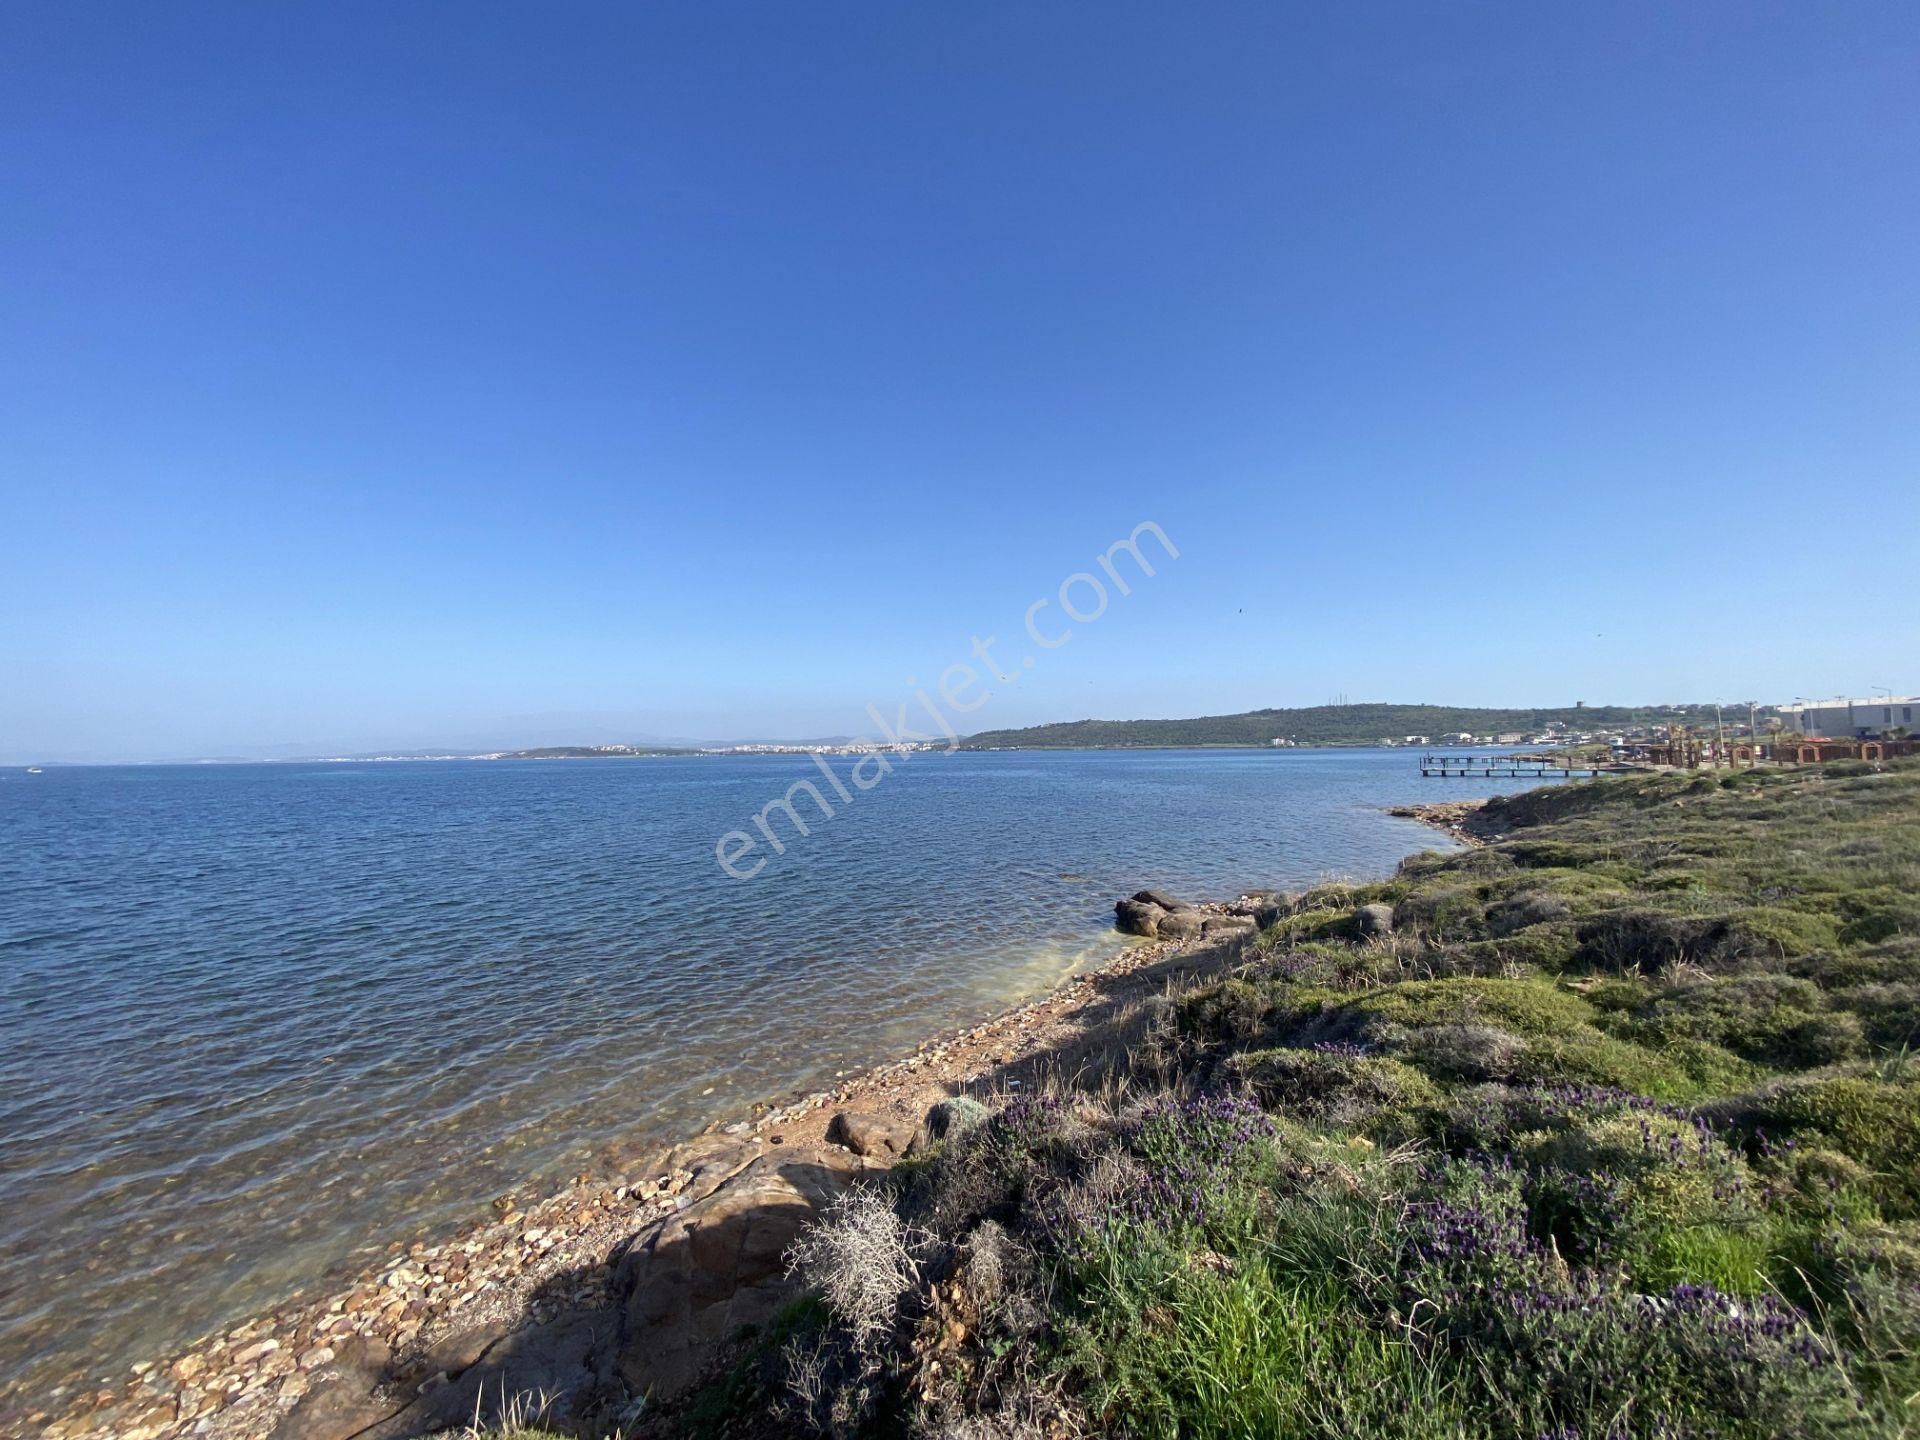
(1638, 939)
(1778, 1020)
(1548, 948)
(1319, 927)
(1292, 1008)
(1528, 1008)
(1778, 935)
(859, 1258)
(1443, 912)
(1465, 1052)
(1529, 907)
(1614, 994)
(1566, 1350)
(1872, 1120)
(956, 1115)
(1707, 1069)
(1340, 1088)
(1484, 1119)
(1586, 1056)
(1194, 1156)
(1231, 1012)
(1891, 962)
(1658, 1194)
(1878, 913)
(986, 1172)
(1889, 1014)
(1587, 859)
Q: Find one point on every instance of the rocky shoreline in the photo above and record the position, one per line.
(624, 1283)
(1464, 820)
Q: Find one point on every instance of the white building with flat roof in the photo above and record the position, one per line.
(1871, 718)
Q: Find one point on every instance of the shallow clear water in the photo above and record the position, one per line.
(259, 1020)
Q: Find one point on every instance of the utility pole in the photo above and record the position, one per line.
(1719, 736)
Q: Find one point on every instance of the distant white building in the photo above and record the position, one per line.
(1852, 719)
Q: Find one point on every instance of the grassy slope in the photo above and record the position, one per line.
(1312, 725)
(1615, 1134)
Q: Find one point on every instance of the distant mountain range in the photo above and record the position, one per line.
(1336, 725)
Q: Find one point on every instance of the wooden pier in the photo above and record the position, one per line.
(1502, 767)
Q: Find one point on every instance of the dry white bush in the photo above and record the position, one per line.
(807, 1382)
(829, 1390)
(985, 1262)
(860, 1258)
(999, 1274)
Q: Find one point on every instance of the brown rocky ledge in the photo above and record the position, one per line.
(625, 1286)
(1462, 819)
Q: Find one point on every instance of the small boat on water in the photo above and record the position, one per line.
(35, 770)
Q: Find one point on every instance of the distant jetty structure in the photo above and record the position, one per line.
(1503, 767)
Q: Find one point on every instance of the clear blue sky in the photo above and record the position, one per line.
(398, 375)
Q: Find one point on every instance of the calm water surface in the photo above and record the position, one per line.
(260, 1020)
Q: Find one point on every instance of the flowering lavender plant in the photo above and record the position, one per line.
(1575, 1340)
(1190, 1152)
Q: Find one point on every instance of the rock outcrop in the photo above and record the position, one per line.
(1374, 920)
(1180, 924)
(719, 1265)
(1138, 917)
(878, 1137)
(1156, 915)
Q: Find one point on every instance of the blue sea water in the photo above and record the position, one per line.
(261, 1020)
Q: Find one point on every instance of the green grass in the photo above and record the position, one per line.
(1171, 1351)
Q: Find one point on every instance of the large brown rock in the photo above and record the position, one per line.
(1373, 920)
(720, 1264)
(335, 1408)
(460, 1350)
(1181, 924)
(1138, 917)
(348, 1397)
(1223, 926)
(702, 1166)
(563, 1362)
(880, 1137)
(1160, 898)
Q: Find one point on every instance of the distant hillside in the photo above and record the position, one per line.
(1329, 725)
